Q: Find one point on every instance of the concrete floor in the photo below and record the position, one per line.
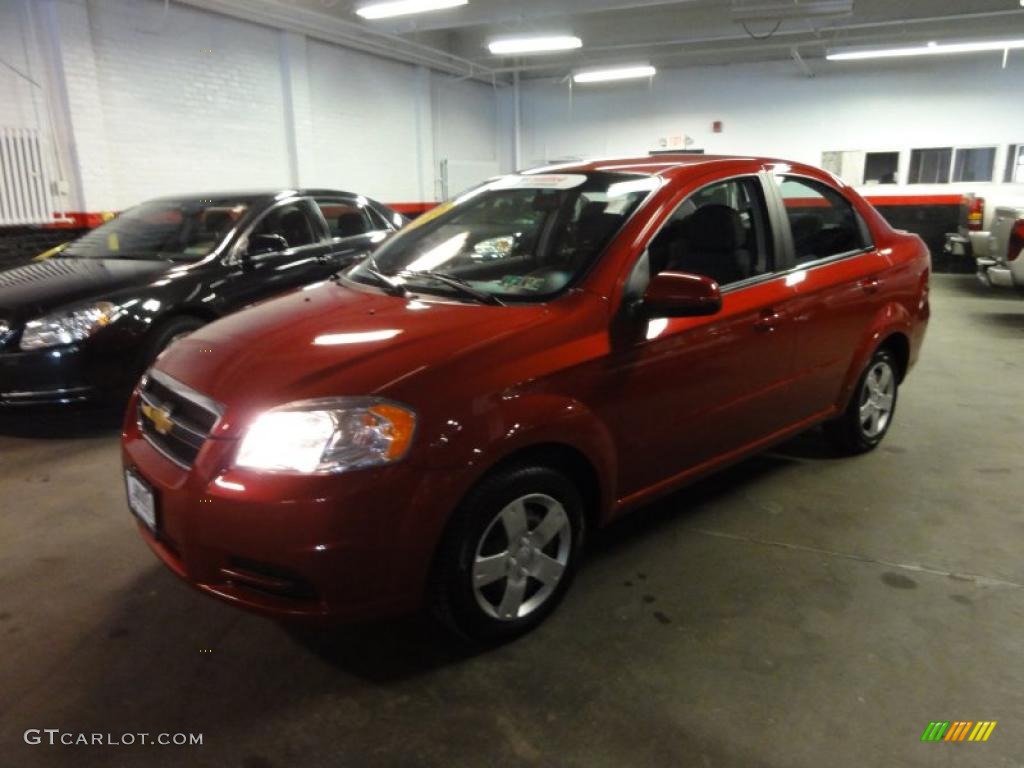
(800, 610)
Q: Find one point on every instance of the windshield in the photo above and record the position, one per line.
(518, 238)
(172, 230)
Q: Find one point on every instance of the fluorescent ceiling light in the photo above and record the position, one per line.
(777, 10)
(609, 75)
(406, 8)
(546, 44)
(931, 49)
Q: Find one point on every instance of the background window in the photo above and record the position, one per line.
(822, 221)
(976, 164)
(719, 232)
(1015, 164)
(881, 167)
(930, 166)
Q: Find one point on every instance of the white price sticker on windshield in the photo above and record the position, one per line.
(559, 181)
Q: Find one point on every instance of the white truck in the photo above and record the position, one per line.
(995, 242)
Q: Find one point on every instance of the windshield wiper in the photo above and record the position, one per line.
(390, 286)
(458, 284)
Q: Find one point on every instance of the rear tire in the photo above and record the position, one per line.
(509, 554)
(872, 407)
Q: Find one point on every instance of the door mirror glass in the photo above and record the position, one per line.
(675, 294)
(261, 245)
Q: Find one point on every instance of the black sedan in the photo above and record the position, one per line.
(83, 325)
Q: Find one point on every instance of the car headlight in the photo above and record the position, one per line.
(67, 326)
(327, 436)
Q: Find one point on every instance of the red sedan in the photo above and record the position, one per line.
(441, 425)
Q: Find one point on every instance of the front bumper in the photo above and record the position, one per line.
(45, 377)
(345, 547)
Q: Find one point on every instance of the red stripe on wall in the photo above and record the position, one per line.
(883, 200)
(412, 209)
(89, 220)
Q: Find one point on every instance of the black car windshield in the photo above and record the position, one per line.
(172, 230)
(518, 238)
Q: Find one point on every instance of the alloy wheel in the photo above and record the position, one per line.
(521, 557)
(877, 397)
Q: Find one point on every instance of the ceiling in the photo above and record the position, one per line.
(665, 33)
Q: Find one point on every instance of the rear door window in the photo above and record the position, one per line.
(823, 222)
(346, 218)
(294, 222)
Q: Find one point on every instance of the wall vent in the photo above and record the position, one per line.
(25, 183)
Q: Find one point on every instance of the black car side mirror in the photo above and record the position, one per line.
(675, 294)
(260, 245)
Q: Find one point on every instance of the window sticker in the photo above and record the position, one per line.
(558, 181)
(523, 282)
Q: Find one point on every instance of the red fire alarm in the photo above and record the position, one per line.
(716, 127)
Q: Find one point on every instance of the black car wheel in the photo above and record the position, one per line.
(869, 415)
(509, 555)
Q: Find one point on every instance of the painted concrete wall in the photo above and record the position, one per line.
(774, 110)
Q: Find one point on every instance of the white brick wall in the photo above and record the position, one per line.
(157, 103)
(365, 123)
(20, 101)
(190, 101)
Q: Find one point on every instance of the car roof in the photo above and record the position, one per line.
(664, 164)
(257, 196)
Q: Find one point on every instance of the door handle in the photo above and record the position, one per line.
(870, 285)
(768, 321)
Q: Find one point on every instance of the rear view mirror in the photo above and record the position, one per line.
(674, 294)
(264, 244)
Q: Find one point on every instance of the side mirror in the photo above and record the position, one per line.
(674, 294)
(260, 245)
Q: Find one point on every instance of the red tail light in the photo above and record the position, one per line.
(975, 212)
(1016, 240)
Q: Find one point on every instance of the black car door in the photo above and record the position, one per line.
(286, 247)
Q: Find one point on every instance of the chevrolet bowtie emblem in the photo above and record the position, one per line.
(160, 418)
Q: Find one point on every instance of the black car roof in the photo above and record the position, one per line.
(256, 196)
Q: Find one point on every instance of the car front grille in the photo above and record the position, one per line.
(175, 419)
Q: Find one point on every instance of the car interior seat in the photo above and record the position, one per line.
(295, 228)
(594, 227)
(351, 224)
(711, 242)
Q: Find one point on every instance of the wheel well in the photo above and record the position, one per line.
(899, 346)
(571, 462)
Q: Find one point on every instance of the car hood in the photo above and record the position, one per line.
(40, 287)
(331, 340)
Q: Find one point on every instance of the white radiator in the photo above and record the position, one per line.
(25, 188)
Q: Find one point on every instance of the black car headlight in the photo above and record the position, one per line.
(68, 326)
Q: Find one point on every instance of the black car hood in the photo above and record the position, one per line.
(43, 286)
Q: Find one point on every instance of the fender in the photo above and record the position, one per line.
(513, 421)
(892, 318)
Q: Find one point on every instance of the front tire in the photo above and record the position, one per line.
(871, 410)
(509, 555)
